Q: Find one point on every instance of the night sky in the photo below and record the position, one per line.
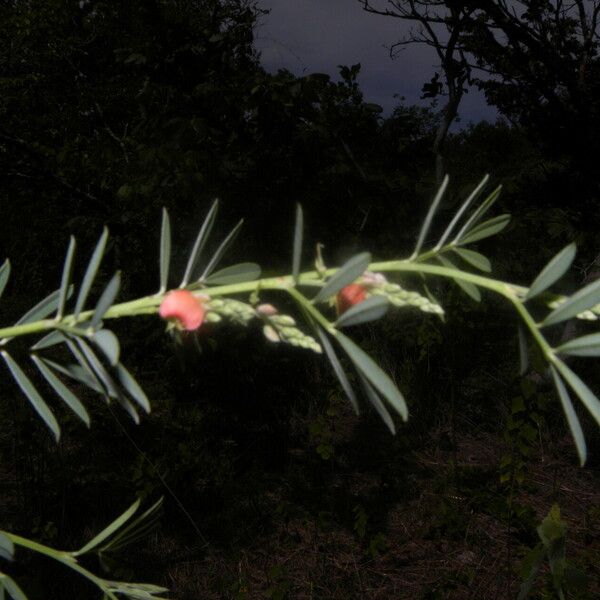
(308, 36)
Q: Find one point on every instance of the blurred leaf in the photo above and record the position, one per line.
(485, 229)
(200, 242)
(469, 288)
(523, 354)
(297, 253)
(553, 271)
(582, 300)
(165, 250)
(477, 215)
(459, 213)
(107, 341)
(220, 251)
(371, 309)
(477, 260)
(108, 531)
(430, 214)
(43, 308)
(33, 395)
(373, 372)
(533, 563)
(132, 387)
(378, 405)
(7, 548)
(338, 369)
(4, 275)
(106, 299)
(62, 390)
(587, 345)
(239, 273)
(584, 393)
(571, 415)
(50, 339)
(345, 275)
(10, 585)
(90, 273)
(66, 276)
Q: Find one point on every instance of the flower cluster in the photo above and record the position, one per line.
(282, 328)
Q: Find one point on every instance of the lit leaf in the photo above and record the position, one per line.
(587, 345)
(580, 301)
(4, 275)
(373, 372)
(239, 273)
(106, 299)
(572, 418)
(77, 373)
(50, 339)
(11, 586)
(98, 369)
(378, 405)
(62, 390)
(108, 531)
(430, 214)
(42, 409)
(474, 195)
(338, 369)
(469, 288)
(43, 308)
(132, 386)
(107, 341)
(165, 250)
(220, 251)
(346, 274)
(90, 272)
(297, 253)
(485, 229)
(7, 548)
(478, 214)
(66, 276)
(523, 356)
(371, 309)
(553, 271)
(584, 393)
(200, 242)
(477, 260)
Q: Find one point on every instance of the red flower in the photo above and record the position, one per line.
(349, 296)
(184, 307)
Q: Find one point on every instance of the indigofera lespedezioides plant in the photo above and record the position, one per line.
(328, 301)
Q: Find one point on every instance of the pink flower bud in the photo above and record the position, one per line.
(184, 307)
(349, 296)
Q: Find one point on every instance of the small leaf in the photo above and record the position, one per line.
(297, 248)
(106, 299)
(587, 345)
(338, 369)
(4, 275)
(553, 271)
(107, 341)
(66, 276)
(90, 272)
(165, 250)
(371, 309)
(62, 390)
(373, 372)
(77, 373)
(108, 531)
(11, 586)
(7, 548)
(430, 214)
(132, 386)
(469, 288)
(582, 300)
(346, 274)
(42, 409)
(43, 308)
(584, 393)
(479, 261)
(200, 242)
(218, 255)
(571, 415)
(474, 194)
(50, 339)
(98, 369)
(378, 405)
(239, 273)
(523, 355)
(485, 229)
(478, 214)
